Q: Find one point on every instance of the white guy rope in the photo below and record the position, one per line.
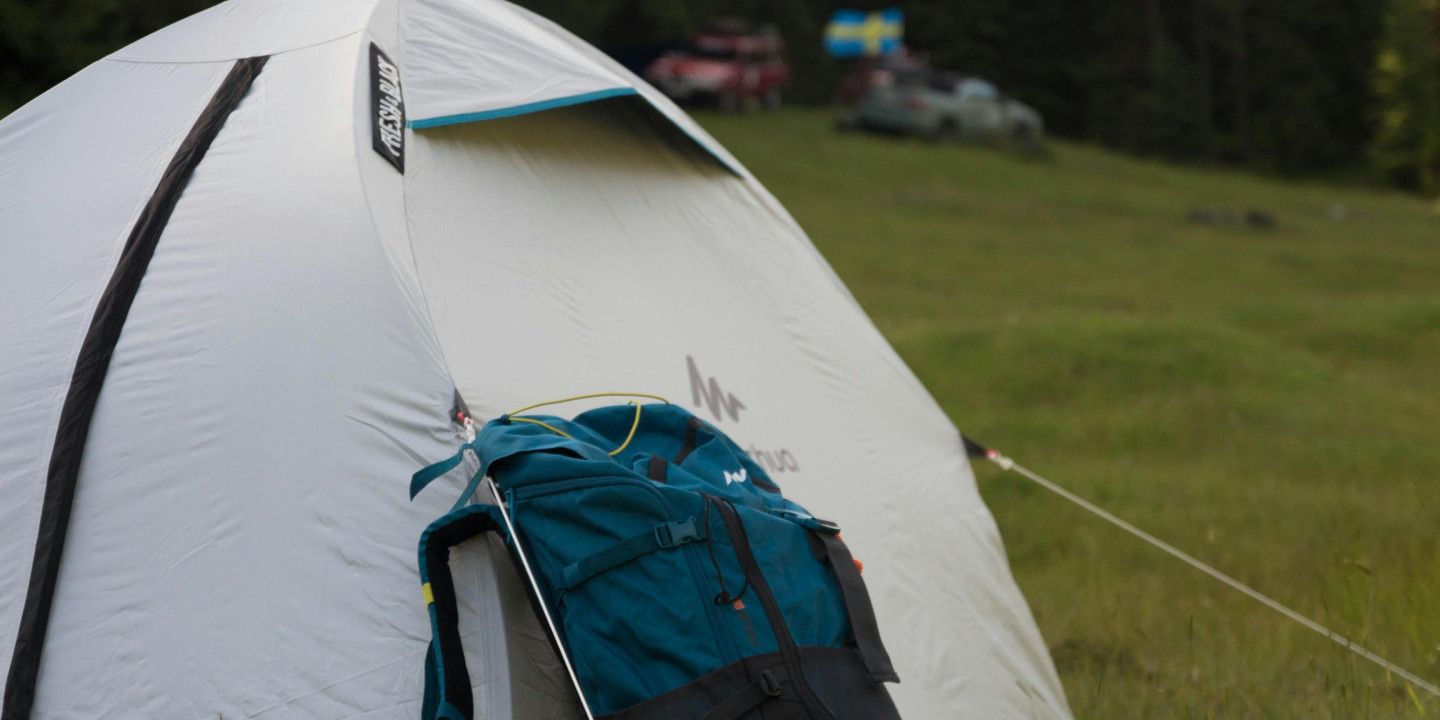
(1006, 463)
(535, 587)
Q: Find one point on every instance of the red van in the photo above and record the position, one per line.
(730, 70)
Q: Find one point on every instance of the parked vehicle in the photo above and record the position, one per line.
(868, 72)
(939, 105)
(730, 69)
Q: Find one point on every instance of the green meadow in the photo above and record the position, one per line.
(1265, 399)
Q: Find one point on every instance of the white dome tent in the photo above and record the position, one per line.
(239, 301)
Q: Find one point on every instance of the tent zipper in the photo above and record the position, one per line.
(788, 650)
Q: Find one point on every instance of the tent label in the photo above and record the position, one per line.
(387, 109)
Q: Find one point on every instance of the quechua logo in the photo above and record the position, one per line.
(706, 392)
(387, 109)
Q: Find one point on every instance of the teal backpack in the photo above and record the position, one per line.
(680, 582)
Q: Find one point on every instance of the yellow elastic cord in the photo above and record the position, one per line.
(545, 425)
(631, 436)
(428, 594)
(633, 426)
(587, 397)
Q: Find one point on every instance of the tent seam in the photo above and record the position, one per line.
(429, 326)
(157, 61)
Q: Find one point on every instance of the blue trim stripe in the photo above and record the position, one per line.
(558, 103)
(703, 146)
(521, 109)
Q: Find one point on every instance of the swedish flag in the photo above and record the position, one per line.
(855, 33)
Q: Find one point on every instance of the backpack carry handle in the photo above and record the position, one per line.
(633, 427)
(429, 474)
(515, 415)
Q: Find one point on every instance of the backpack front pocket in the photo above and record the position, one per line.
(620, 545)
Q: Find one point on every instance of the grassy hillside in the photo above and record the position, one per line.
(1267, 400)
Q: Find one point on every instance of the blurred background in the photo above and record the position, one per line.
(1299, 86)
(1182, 256)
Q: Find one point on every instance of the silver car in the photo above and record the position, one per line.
(945, 106)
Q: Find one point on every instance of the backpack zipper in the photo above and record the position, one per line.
(736, 528)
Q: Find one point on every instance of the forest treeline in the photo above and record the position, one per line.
(1294, 86)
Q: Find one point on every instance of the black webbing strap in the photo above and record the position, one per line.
(862, 614)
(655, 469)
(767, 686)
(691, 428)
(664, 535)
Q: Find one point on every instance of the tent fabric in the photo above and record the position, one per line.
(91, 365)
(250, 28)
(266, 365)
(60, 258)
(242, 544)
(465, 60)
(484, 60)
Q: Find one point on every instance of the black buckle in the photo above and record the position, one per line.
(679, 532)
(769, 684)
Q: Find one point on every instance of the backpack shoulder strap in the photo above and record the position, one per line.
(857, 605)
(447, 680)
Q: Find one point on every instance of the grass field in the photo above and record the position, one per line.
(1267, 400)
